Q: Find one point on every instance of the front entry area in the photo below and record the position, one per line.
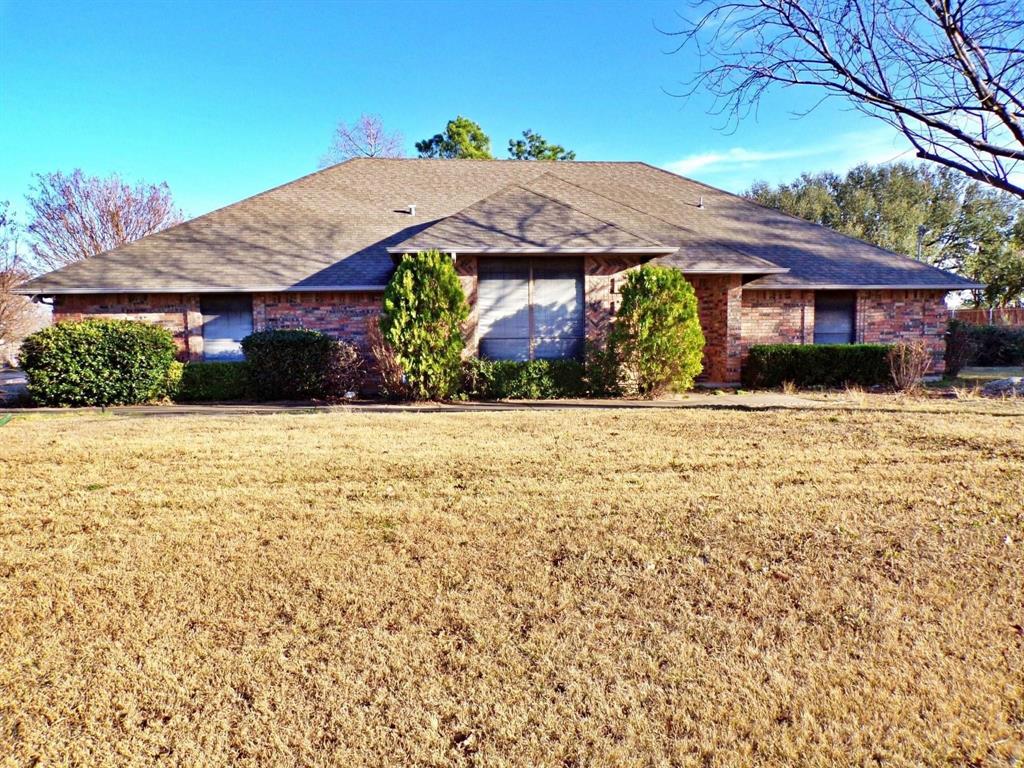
(531, 308)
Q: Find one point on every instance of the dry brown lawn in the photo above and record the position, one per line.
(563, 588)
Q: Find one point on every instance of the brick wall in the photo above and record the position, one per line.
(338, 314)
(882, 317)
(467, 269)
(887, 316)
(777, 317)
(720, 308)
(178, 313)
(603, 277)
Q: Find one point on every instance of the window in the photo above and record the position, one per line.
(834, 313)
(530, 308)
(227, 319)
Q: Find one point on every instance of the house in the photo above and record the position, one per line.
(542, 249)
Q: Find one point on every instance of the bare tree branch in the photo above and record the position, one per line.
(76, 216)
(949, 74)
(18, 315)
(366, 137)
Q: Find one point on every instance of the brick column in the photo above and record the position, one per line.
(720, 307)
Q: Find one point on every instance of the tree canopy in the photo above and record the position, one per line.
(533, 146)
(462, 139)
(963, 225)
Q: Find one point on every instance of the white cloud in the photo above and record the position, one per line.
(731, 159)
(738, 166)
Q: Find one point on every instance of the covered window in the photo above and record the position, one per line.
(227, 319)
(834, 316)
(530, 308)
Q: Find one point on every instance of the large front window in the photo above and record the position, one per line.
(834, 316)
(227, 319)
(530, 309)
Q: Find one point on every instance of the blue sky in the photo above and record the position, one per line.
(223, 100)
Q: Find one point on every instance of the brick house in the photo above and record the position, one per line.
(542, 250)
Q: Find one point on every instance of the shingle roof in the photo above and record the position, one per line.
(333, 230)
(518, 219)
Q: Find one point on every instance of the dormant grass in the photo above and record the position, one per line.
(686, 587)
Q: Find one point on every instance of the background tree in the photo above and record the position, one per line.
(961, 225)
(366, 137)
(948, 74)
(73, 217)
(462, 139)
(424, 309)
(533, 146)
(18, 315)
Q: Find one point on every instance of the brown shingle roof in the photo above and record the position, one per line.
(519, 219)
(333, 230)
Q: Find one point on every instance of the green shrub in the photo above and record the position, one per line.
(996, 345)
(960, 346)
(297, 364)
(205, 382)
(172, 382)
(657, 336)
(98, 362)
(601, 377)
(424, 309)
(523, 380)
(813, 365)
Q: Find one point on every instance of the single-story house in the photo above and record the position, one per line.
(542, 249)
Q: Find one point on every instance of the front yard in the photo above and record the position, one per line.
(564, 587)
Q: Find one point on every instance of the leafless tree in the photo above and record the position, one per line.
(73, 217)
(366, 137)
(948, 74)
(18, 315)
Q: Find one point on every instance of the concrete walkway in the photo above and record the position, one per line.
(754, 401)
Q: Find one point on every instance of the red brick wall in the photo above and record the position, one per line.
(338, 314)
(777, 317)
(882, 317)
(603, 277)
(720, 307)
(178, 313)
(887, 316)
(467, 269)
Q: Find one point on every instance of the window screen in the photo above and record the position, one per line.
(227, 319)
(531, 308)
(834, 317)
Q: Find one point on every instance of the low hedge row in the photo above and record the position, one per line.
(523, 380)
(210, 382)
(817, 365)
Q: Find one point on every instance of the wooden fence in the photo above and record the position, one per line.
(1003, 316)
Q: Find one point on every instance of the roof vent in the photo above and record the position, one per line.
(700, 201)
(412, 209)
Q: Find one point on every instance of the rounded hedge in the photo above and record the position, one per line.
(298, 364)
(98, 362)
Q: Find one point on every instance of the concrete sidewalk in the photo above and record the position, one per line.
(753, 401)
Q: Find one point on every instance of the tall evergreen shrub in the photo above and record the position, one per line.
(424, 311)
